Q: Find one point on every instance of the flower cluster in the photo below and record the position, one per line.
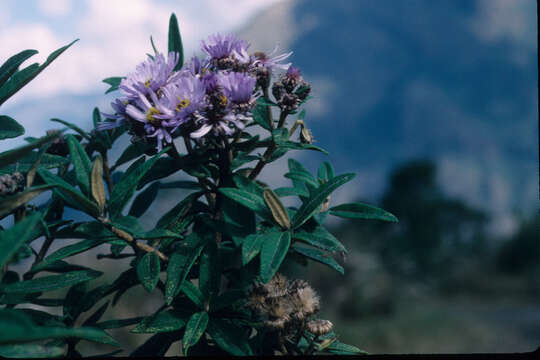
(214, 95)
(288, 306)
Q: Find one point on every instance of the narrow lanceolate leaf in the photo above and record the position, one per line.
(229, 337)
(279, 213)
(22, 329)
(362, 211)
(114, 82)
(193, 293)
(273, 251)
(194, 329)
(24, 76)
(303, 177)
(320, 256)
(81, 163)
(98, 189)
(248, 199)
(68, 251)
(69, 194)
(9, 128)
(164, 321)
(73, 127)
(48, 283)
(143, 200)
(12, 64)
(8, 204)
(210, 270)
(29, 351)
(175, 41)
(286, 191)
(179, 265)
(251, 246)
(12, 238)
(11, 156)
(325, 172)
(344, 349)
(148, 269)
(124, 190)
(321, 238)
(309, 208)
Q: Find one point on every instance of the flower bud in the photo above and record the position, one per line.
(319, 327)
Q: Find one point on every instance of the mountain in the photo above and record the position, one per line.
(453, 81)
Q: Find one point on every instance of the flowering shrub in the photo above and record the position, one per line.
(220, 248)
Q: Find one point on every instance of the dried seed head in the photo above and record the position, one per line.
(297, 284)
(308, 300)
(280, 308)
(320, 327)
(277, 287)
(275, 324)
(305, 136)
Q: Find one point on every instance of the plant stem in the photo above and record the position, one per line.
(269, 151)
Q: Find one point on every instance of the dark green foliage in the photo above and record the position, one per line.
(202, 258)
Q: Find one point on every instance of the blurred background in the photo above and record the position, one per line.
(434, 104)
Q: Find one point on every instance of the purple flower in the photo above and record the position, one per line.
(294, 73)
(237, 87)
(272, 62)
(219, 46)
(149, 76)
(149, 116)
(181, 99)
(119, 107)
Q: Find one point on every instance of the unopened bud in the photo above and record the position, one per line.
(319, 327)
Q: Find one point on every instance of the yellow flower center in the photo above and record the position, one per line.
(150, 116)
(183, 103)
(147, 82)
(223, 100)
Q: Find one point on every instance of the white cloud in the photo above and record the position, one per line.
(511, 20)
(114, 37)
(54, 8)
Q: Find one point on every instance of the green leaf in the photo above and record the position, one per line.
(319, 256)
(175, 41)
(181, 184)
(251, 246)
(310, 207)
(362, 211)
(114, 82)
(21, 329)
(179, 265)
(245, 198)
(12, 64)
(9, 128)
(227, 299)
(131, 152)
(31, 351)
(193, 293)
(210, 270)
(10, 203)
(48, 283)
(24, 76)
(73, 127)
(148, 269)
(229, 337)
(194, 329)
(286, 191)
(280, 136)
(344, 349)
(69, 194)
(67, 251)
(24, 165)
(12, 238)
(260, 115)
(81, 163)
(163, 321)
(174, 215)
(144, 199)
(303, 177)
(273, 252)
(301, 146)
(325, 172)
(321, 238)
(124, 190)
(115, 324)
(10, 156)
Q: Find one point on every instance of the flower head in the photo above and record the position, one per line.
(149, 76)
(270, 61)
(219, 46)
(237, 87)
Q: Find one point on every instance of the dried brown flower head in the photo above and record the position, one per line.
(320, 327)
